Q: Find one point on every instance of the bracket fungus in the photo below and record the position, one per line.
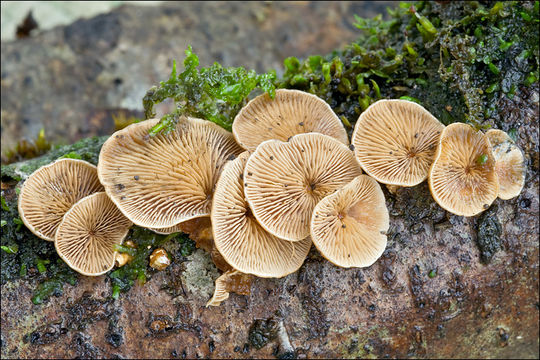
(88, 233)
(50, 191)
(160, 181)
(509, 164)
(283, 181)
(291, 112)
(462, 178)
(349, 226)
(239, 237)
(395, 141)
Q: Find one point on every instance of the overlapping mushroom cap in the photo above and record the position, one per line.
(395, 141)
(509, 164)
(88, 233)
(160, 181)
(462, 178)
(50, 192)
(349, 226)
(239, 237)
(285, 180)
(291, 112)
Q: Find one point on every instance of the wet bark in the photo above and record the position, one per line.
(444, 287)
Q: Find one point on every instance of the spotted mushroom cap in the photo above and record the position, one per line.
(509, 164)
(160, 181)
(50, 191)
(349, 226)
(462, 178)
(88, 233)
(283, 181)
(395, 141)
(239, 237)
(291, 112)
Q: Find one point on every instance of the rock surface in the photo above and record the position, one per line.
(433, 293)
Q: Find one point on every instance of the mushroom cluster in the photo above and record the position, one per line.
(257, 198)
(64, 202)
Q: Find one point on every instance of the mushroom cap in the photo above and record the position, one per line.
(230, 281)
(283, 181)
(160, 181)
(395, 141)
(88, 233)
(462, 178)
(349, 226)
(239, 237)
(50, 192)
(509, 164)
(291, 112)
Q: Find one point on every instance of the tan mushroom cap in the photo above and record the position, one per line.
(462, 178)
(239, 237)
(230, 281)
(509, 164)
(50, 192)
(283, 181)
(395, 141)
(291, 112)
(88, 233)
(160, 181)
(349, 226)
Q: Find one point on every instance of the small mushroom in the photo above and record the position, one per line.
(88, 233)
(176, 173)
(239, 237)
(50, 192)
(395, 141)
(509, 164)
(283, 192)
(349, 226)
(291, 112)
(159, 259)
(230, 281)
(462, 178)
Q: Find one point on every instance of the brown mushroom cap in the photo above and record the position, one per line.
(462, 178)
(239, 237)
(50, 192)
(88, 233)
(395, 141)
(285, 180)
(349, 226)
(160, 181)
(291, 112)
(509, 164)
(230, 281)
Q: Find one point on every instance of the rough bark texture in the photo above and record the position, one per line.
(446, 286)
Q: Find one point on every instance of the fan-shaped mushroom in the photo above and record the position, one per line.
(509, 164)
(291, 112)
(285, 180)
(239, 237)
(158, 182)
(88, 233)
(50, 192)
(395, 141)
(462, 178)
(349, 226)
